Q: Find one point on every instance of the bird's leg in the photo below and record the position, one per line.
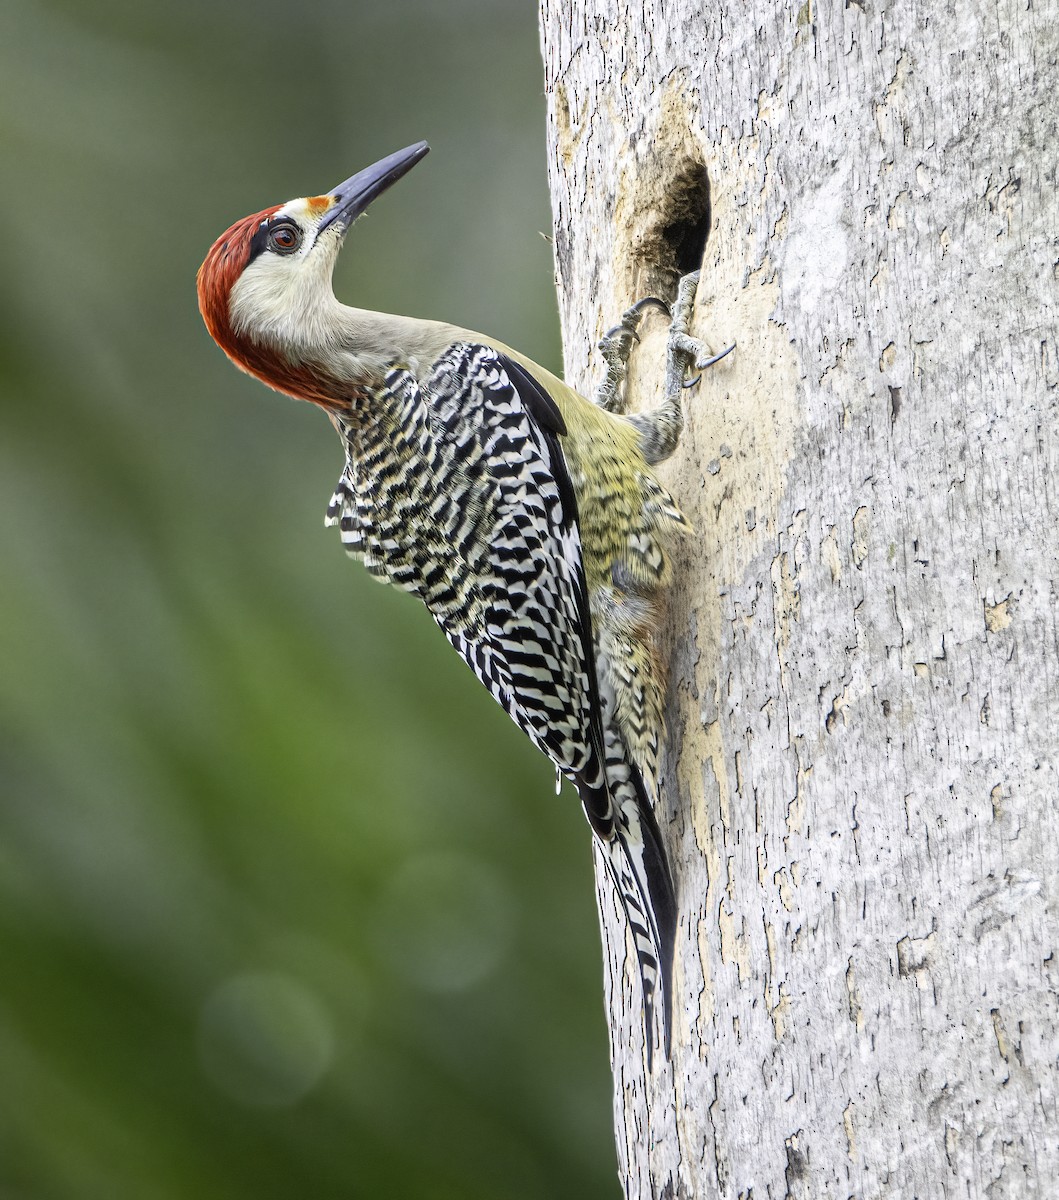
(661, 428)
(617, 345)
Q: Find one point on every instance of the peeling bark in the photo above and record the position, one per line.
(861, 779)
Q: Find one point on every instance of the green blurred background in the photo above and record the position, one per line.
(287, 905)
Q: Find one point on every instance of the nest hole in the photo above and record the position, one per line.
(674, 241)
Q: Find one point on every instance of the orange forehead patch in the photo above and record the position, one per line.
(318, 205)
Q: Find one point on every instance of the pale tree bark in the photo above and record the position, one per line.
(861, 793)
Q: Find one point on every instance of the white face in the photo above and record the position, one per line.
(284, 295)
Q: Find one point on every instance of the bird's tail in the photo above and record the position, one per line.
(627, 829)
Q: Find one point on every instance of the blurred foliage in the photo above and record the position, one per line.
(287, 907)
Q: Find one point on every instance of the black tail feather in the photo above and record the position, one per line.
(628, 831)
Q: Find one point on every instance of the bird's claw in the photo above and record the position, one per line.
(608, 343)
(702, 363)
(629, 324)
(716, 358)
(646, 302)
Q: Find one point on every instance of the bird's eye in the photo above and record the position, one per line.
(284, 238)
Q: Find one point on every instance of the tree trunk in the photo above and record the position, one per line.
(861, 786)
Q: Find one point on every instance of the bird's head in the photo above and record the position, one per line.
(265, 285)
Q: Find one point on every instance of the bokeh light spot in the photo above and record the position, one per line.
(264, 1039)
(444, 922)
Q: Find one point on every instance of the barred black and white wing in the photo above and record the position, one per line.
(454, 492)
(457, 490)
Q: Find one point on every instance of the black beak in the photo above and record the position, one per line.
(353, 197)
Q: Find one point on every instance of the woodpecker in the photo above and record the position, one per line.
(526, 518)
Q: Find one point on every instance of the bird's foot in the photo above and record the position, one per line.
(661, 428)
(687, 353)
(616, 346)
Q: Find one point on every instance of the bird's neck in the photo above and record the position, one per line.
(329, 353)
